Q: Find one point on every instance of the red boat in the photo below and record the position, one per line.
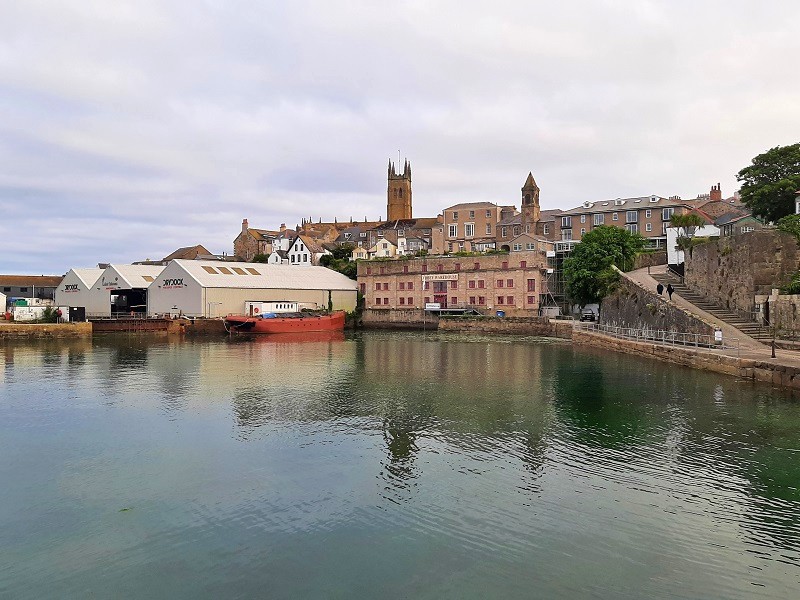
(285, 323)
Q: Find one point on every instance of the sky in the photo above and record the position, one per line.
(131, 128)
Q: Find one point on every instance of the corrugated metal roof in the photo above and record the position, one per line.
(138, 276)
(88, 276)
(265, 276)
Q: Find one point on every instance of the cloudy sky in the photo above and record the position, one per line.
(131, 128)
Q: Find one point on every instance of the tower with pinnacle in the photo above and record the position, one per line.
(398, 193)
(530, 204)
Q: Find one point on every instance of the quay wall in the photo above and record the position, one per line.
(542, 326)
(392, 318)
(773, 373)
(650, 259)
(633, 306)
(44, 330)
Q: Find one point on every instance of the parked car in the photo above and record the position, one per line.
(587, 314)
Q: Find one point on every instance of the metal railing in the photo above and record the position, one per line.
(666, 338)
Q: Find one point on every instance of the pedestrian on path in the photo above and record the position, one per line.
(660, 289)
(670, 289)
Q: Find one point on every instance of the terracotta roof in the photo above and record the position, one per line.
(30, 280)
(471, 205)
(189, 252)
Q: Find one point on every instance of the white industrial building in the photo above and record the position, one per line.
(198, 288)
(77, 290)
(122, 289)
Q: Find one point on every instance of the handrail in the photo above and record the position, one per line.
(674, 272)
(667, 338)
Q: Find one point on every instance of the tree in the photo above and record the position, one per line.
(261, 258)
(345, 251)
(589, 273)
(769, 185)
(686, 225)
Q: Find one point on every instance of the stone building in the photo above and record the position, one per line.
(398, 193)
(511, 282)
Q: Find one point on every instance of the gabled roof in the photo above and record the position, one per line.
(264, 276)
(187, 252)
(623, 204)
(733, 217)
(137, 276)
(30, 280)
(471, 205)
(310, 243)
(88, 276)
(550, 215)
(511, 220)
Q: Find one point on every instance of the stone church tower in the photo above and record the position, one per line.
(398, 193)
(530, 204)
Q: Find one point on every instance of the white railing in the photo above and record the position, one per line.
(666, 338)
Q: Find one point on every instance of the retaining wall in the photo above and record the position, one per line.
(45, 330)
(541, 326)
(393, 318)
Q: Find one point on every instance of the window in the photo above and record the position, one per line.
(405, 268)
(530, 246)
(566, 234)
(377, 286)
(504, 264)
(566, 222)
(410, 300)
(427, 299)
(648, 227)
(206, 269)
(481, 300)
(499, 283)
(489, 214)
(746, 229)
(531, 285)
(546, 228)
(516, 229)
(363, 288)
(453, 300)
(583, 231)
(523, 264)
(583, 218)
(252, 271)
(531, 299)
(632, 227)
(510, 300)
(385, 245)
(503, 232)
(402, 300)
(476, 266)
(410, 285)
(382, 270)
(225, 270)
(615, 216)
(517, 247)
(481, 284)
(509, 283)
(426, 285)
(440, 267)
(402, 285)
(471, 284)
(648, 213)
(666, 213)
(599, 219)
(488, 229)
(453, 285)
(8, 289)
(631, 216)
(424, 268)
(472, 299)
(455, 215)
(363, 234)
(458, 266)
(385, 286)
(452, 231)
(450, 247)
(472, 214)
(500, 299)
(369, 270)
(469, 229)
(23, 289)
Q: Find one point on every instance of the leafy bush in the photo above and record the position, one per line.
(793, 287)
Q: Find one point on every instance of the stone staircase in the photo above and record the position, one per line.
(746, 326)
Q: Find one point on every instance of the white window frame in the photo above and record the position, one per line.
(648, 213)
(632, 227)
(615, 216)
(452, 230)
(566, 222)
(469, 230)
(631, 216)
(666, 213)
(599, 219)
(583, 218)
(648, 227)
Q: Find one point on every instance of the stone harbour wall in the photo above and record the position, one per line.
(732, 270)
(389, 318)
(44, 330)
(632, 306)
(539, 326)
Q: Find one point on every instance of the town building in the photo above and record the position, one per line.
(471, 226)
(305, 251)
(513, 283)
(42, 287)
(199, 288)
(121, 289)
(398, 193)
(734, 223)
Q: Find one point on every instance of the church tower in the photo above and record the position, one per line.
(530, 204)
(398, 193)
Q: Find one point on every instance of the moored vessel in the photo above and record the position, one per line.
(285, 323)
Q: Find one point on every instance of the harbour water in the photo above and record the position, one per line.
(389, 465)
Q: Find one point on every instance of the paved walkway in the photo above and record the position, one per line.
(748, 347)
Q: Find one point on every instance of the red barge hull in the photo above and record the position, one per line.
(286, 324)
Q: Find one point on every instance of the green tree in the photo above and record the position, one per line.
(589, 273)
(344, 251)
(261, 258)
(769, 184)
(686, 225)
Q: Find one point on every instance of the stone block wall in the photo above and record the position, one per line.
(389, 318)
(732, 270)
(633, 306)
(541, 326)
(650, 259)
(44, 330)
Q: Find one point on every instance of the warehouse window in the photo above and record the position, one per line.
(252, 271)
(238, 270)
(147, 278)
(210, 270)
(225, 270)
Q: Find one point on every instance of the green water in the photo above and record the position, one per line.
(389, 466)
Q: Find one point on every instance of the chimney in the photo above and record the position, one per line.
(283, 227)
(244, 225)
(716, 193)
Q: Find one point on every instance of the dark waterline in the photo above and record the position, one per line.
(389, 465)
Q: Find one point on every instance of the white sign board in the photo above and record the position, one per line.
(440, 277)
(433, 306)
